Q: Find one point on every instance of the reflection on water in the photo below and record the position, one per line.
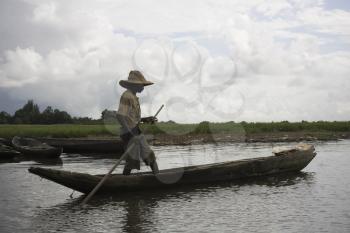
(313, 200)
(139, 210)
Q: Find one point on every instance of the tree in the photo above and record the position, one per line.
(47, 116)
(61, 117)
(5, 118)
(109, 116)
(29, 113)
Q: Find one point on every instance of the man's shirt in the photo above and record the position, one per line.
(129, 107)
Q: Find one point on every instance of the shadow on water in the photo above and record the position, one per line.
(134, 211)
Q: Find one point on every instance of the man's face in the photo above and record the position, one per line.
(140, 88)
(137, 88)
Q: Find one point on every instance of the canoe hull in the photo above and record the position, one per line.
(7, 152)
(4, 155)
(52, 153)
(288, 162)
(73, 145)
(38, 149)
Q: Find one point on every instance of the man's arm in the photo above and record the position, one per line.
(123, 123)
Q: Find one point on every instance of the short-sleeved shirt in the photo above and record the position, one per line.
(129, 107)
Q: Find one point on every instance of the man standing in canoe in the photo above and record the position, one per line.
(129, 117)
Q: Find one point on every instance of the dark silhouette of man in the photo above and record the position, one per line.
(129, 117)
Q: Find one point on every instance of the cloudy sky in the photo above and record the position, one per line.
(256, 60)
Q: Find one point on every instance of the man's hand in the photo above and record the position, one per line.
(149, 120)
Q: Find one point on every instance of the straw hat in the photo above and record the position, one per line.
(135, 77)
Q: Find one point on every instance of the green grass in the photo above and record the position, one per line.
(169, 128)
(58, 131)
(75, 130)
(206, 127)
(285, 126)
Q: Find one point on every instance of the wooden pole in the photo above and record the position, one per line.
(86, 199)
(161, 107)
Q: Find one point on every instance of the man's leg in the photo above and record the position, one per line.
(132, 160)
(126, 170)
(126, 138)
(154, 167)
(148, 155)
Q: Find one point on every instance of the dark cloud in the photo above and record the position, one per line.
(9, 104)
(18, 29)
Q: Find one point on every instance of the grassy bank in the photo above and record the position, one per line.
(249, 128)
(75, 130)
(57, 131)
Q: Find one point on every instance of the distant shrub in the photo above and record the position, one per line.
(202, 128)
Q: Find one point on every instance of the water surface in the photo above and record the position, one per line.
(315, 200)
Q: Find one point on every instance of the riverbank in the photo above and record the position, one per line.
(183, 134)
(162, 140)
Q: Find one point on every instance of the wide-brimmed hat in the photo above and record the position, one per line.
(135, 78)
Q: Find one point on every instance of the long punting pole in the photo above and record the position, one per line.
(86, 199)
(160, 109)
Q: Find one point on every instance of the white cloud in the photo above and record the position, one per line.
(274, 67)
(46, 13)
(20, 67)
(334, 22)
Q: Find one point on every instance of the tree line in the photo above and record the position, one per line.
(31, 114)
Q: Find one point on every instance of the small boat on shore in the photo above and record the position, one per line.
(287, 160)
(32, 147)
(6, 142)
(7, 152)
(86, 145)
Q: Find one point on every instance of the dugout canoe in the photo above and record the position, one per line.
(86, 145)
(7, 152)
(32, 147)
(289, 160)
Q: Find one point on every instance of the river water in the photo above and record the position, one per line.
(314, 200)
